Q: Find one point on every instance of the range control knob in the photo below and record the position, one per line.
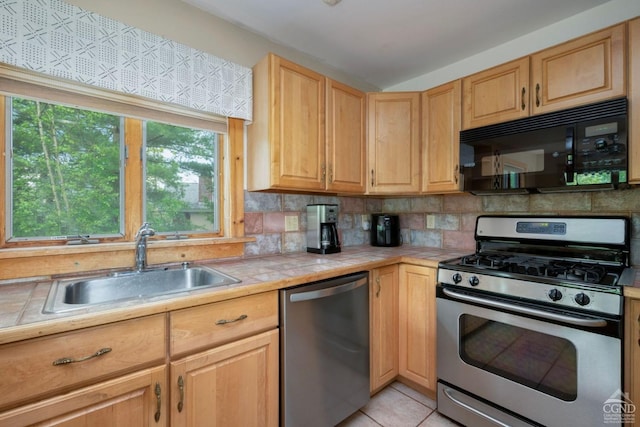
(582, 298)
(554, 294)
(457, 278)
(474, 281)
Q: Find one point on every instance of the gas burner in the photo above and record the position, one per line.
(492, 261)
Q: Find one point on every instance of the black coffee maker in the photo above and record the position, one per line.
(322, 229)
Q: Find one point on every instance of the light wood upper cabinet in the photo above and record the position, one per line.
(441, 120)
(417, 301)
(308, 131)
(582, 71)
(634, 101)
(496, 95)
(393, 142)
(286, 141)
(345, 138)
(232, 385)
(383, 301)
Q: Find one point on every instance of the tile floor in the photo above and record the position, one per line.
(398, 406)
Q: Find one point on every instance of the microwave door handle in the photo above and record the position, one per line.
(570, 147)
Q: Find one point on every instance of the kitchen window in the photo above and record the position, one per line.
(67, 174)
(181, 184)
(179, 169)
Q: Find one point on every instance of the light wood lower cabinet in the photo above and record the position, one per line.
(417, 320)
(232, 385)
(383, 301)
(632, 353)
(117, 374)
(135, 400)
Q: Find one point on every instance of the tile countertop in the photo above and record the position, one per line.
(21, 303)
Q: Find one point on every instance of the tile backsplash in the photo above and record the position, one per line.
(453, 216)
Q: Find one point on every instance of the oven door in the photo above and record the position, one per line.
(519, 367)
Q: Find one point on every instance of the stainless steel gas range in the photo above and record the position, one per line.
(530, 325)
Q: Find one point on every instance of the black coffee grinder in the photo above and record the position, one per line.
(322, 229)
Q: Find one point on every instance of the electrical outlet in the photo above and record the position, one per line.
(291, 223)
(431, 221)
(366, 222)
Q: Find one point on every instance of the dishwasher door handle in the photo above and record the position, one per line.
(327, 292)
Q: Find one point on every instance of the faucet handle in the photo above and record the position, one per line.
(144, 227)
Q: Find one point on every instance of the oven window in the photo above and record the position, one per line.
(542, 362)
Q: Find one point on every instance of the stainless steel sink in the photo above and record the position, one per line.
(66, 295)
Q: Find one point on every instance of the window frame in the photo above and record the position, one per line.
(47, 258)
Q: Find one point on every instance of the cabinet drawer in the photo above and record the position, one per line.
(41, 366)
(213, 324)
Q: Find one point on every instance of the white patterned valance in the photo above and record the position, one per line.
(62, 40)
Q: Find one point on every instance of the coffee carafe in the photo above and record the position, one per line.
(322, 229)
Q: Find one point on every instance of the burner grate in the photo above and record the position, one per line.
(578, 272)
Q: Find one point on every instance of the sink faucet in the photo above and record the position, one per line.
(141, 245)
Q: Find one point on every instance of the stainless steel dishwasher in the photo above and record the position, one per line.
(324, 345)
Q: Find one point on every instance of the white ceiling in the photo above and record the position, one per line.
(386, 42)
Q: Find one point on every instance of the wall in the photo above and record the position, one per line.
(455, 216)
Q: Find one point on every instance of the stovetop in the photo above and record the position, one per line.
(577, 263)
(576, 272)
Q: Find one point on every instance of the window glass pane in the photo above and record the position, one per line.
(540, 361)
(181, 185)
(65, 171)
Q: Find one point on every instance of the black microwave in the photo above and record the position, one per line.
(582, 148)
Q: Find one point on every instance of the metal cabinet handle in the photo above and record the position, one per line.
(225, 321)
(181, 390)
(158, 402)
(67, 360)
(638, 328)
(455, 173)
(324, 172)
(372, 181)
(537, 94)
(331, 173)
(524, 93)
(379, 287)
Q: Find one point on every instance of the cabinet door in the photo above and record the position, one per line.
(135, 400)
(581, 71)
(634, 101)
(232, 385)
(417, 301)
(60, 362)
(383, 298)
(286, 141)
(441, 117)
(496, 95)
(393, 142)
(632, 350)
(345, 138)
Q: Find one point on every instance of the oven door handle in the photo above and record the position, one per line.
(447, 393)
(589, 323)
